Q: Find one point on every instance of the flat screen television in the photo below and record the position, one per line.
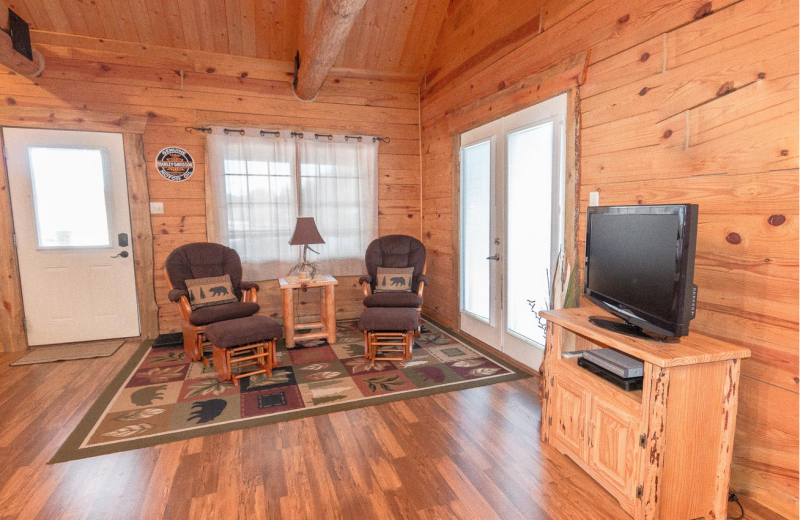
(639, 266)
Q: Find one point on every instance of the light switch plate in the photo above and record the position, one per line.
(594, 198)
(156, 208)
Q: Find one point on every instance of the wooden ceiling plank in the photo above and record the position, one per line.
(394, 43)
(172, 14)
(262, 23)
(155, 12)
(205, 29)
(189, 24)
(333, 23)
(15, 61)
(233, 13)
(275, 30)
(73, 13)
(291, 29)
(141, 20)
(125, 21)
(93, 20)
(248, 25)
(109, 19)
(219, 20)
(56, 11)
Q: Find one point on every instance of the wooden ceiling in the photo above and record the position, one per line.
(388, 35)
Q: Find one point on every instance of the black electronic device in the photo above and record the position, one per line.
(639, 266)
(20, 35)
(627, 384)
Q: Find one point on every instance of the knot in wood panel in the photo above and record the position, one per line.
(734, 238)
(776, 220)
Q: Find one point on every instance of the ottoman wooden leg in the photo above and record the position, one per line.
(274, 355)
(222, 363)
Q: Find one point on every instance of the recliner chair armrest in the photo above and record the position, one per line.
(422, 280)
(175, 295)
(366, 284)
(245, 286)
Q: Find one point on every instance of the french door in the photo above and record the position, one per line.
(72, 225)
(512, 226)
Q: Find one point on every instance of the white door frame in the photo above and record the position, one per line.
(494, 332)
(12, 333)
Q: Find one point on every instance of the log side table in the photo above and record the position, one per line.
(327, 311)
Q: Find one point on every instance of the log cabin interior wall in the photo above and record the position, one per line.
(680, 101)
(677, 100)
(175, 88)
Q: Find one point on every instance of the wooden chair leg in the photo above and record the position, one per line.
(192, 344)
(366, 345)
(273, 345)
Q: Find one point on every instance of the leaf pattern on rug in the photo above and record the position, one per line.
(434, 339)
(486, 371)
(385, 382)
(364, 365)
(139, 414)
(431, 374)
(169, 357)
(329, 391)
(279, 377)
(322, 384)
(327, 399)
(315, 366)
(127, 431)
(158, 375)
(468, 363)
(209, 386)
(328, 374)
(411, 364)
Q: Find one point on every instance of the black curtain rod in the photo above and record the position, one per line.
(240, 131)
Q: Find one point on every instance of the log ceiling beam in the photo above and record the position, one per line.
(334, 20)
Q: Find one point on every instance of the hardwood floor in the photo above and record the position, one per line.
(469, 454)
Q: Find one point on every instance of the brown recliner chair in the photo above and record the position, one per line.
(395, 251)
(202, 260)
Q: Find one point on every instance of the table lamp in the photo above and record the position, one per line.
(305, 233)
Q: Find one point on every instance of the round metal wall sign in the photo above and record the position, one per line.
(175, 164)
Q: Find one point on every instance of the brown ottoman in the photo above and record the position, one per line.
(388, 329)
(243, 340)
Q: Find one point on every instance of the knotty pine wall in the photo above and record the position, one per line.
(175, 88)
(680, 101)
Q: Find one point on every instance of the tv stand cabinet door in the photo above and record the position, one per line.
(569, 417)
(614, 453)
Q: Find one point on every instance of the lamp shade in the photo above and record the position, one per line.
(306, 232)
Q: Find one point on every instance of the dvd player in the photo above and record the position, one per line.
(615, 362)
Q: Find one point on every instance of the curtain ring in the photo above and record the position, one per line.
(356, 137)
(265, 132)
(229, 130)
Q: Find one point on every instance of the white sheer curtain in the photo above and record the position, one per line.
(339, 188)
(253, 199)
(259, 185)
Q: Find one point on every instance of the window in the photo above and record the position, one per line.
(70, 197)
(267, 182)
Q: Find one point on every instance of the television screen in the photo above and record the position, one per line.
(639, 263)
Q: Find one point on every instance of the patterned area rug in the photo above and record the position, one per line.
(159, 397)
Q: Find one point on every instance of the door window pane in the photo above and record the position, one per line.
(530, 197)
(476, 218)
(70, 197)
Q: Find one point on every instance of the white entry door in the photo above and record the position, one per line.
(69, 201)
(512, 226)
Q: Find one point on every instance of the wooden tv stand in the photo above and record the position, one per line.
(663, 451)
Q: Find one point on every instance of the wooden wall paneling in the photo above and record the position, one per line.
(12, 324)
(681, 103)
(142, 239)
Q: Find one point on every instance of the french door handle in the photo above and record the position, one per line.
(495, 257)
(123, 254)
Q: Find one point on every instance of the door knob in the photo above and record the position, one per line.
(123, 254)
(495, 257)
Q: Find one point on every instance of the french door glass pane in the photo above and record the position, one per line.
(476, 217)
(530, 177)
(70, 197)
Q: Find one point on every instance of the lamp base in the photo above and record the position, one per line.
(305, 270)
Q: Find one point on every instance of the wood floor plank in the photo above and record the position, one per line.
(469, 454)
